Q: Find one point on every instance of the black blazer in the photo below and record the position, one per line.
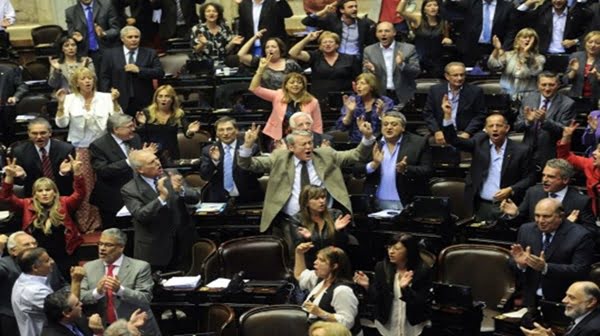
(569, 257)
(272, 18)
(168, 18)
(589, 326)
(57, 329)
(28, 157)
(516, 169)
(113, 76)
(157, 227)
(471, 112)
(415, 180)
(333, 23)
(417, 295)
(11, 83)
(112, 171)
(104, 15)
(246, 181)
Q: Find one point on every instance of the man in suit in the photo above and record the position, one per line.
(500, 167)
(560, 29)
(395, 64)
(302, 121)
(108, 155)
(9, 272)
(43, 156)
(159, 214)
(551, 253)
(341, 17)
(555, 184)
(130, 69)
(94, 24)
(401, 164)
(270, 15)
(466, 102)
(118, 285)
(542, 116)
(177, 17)
(12, 89)
(64, 316)
(299, 165)
(582, 305)
(225, 179)
(483, 20)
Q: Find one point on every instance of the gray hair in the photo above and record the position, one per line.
(289, 139)
(451, 64)
(120, 237)
(117, 120)
(11, 243)
(566, 169)
(396, 114)
(297, 115)
(125, 30)
(135, 160)
(118, 328)
(591, 290)
(39, 121)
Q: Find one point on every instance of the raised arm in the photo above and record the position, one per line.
(297, 51)
(262, 66)
(414, 18)
(244, 53)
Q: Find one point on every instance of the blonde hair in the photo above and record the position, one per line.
(330, 328)
(176, 111)
(77, 75)
(527, 32)
(305, 97)
(44, 220)
(329, 34)
(371, 81)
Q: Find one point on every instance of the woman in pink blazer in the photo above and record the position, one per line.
(292, 97)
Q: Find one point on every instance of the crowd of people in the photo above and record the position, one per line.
(122, 128)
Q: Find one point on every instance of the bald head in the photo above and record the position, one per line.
(385, 33)
(581, 298)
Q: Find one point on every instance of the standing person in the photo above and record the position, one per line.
(290, 98)
(94, 25)
(176, 18)
(256, 15)
(12, 89)
(7, 18)
(63, 67)
(85, 112)
(212, 39)
(401, 288)
(130, 69)
(583, 71)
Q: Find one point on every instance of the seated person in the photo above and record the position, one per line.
(64, 316)
(323, 328)
(400, 167)
(366, 103)
(401, 274)
(331, 297)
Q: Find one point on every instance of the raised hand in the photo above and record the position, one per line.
(194, 127)
(446, 107)
(237, 40)
(77, 273)
(99, 30)
(402, 166)
(140, 117)
(406, 279)
(361, 279)
(95, 323)
(508, 207)
(264, 62)
(568, 131)
(364, 127)
(214, 153)
(251, 135)
(76, 165)
(535, 262)
(574, 65)
(342, 221)
(112, 283)
(313, 36)
(503, 194)
(399, 58)
(529, 113)
(65, 166)
(176, 181)
(377, 155)
(379, 105)
(60, 95)
(447, 41)
(573, 216)
(163, 192)
(304, 232)
(303, 247)
(77, 36)
(54, 63)
(539, 330)
(496, 43)
(10, 170)
(259, 34)
(519, 255)
(138, 318)
(369, 66)
(349, 103)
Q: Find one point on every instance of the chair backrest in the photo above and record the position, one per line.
(454, 188)
(200, 251)
(221, 320)
(482, 267)
(172, 63)
(260, 257)
(195, 180)
(423, 84)
(290, 320)
(191, 148)
(36, 70)
(46, 34)
(32, 105)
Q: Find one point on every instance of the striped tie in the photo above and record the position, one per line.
(46, 164)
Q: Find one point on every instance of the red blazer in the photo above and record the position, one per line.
(67, 205)
(585, 164)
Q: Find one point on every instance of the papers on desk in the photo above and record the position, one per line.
(34, 82)
(207, 208)
(515, 314)
(182, 282)
(385, 214)
(24, 118)
(221, 283)
(4, 215)
(124, 212)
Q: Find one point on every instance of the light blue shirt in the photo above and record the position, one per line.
(454, 99)
(492, 5)
(387, 190)
(349, 44)
(559, 21)
(27, 300)
(491, 184)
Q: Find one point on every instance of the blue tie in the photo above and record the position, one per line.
(228, 169)
(547, 237)
(74, 330)
(487, 25)
(91, 32)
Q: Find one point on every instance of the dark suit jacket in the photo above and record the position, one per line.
(516, 169)
(543, 139)
(104, 15)
(415, 180)
(112, 75)
(156, 226)
(416, 296)
(333, 23)
(503, 25)
(471, 112)
(569, 257)
(246, 182)
(578, 81)
(589, 326)
(112, 171)
(11, 83)
(168, 18)
(27, 157)
(272, 18)
(57, 329)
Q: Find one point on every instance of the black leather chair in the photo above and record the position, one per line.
(44, 37)
(200, 251)
(290, 320)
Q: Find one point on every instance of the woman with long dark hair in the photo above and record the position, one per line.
(63, 67)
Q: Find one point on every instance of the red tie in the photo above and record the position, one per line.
(111, 315)
(46, 164)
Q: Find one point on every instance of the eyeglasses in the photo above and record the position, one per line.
(109, 245)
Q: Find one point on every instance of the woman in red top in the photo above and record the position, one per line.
(47, 215)
(589, 165)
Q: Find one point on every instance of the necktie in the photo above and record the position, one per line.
(46, 164)
(545, 103)
(156, 183)
(75, 330)
(487, 24)
(546, 241)
(228, 169)
(91, 31)
(304, 178)
(111, 315)
(553, 195)
(126, 147)
(131, 60)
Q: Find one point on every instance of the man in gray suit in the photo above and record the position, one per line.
(542, 116)
(117, 284)
(397, 82)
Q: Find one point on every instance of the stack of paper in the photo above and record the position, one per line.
(182, 282)
(207, 208)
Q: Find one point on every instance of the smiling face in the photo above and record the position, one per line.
(592, 45)
(577, 303)
(302, 147)
(385, 33)
(547, 215)
(211, 14)
(226, 132)
(496, 128)
(294, 86)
